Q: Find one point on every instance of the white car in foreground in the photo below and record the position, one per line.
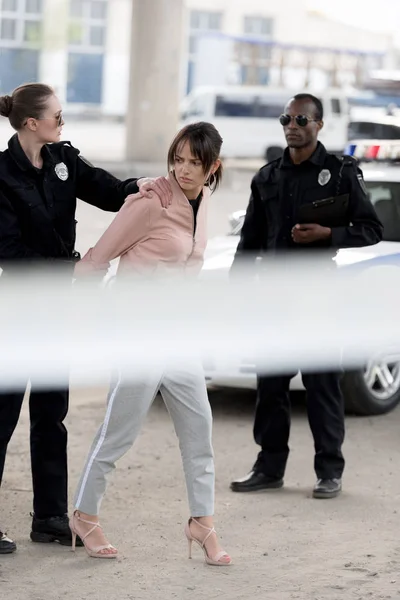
(375, 390)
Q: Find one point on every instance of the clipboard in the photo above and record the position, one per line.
(329, 212)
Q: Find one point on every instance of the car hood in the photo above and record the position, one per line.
(221, 250)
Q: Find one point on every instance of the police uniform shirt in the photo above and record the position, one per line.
(37, 206)
(281, 187)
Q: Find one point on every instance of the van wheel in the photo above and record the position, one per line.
(373, 391)
(272, 153)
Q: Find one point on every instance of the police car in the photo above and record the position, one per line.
(376, 389)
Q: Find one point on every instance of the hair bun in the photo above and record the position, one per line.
(6, 105)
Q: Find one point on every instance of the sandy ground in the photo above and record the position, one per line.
(285, 544)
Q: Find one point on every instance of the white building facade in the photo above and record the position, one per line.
(82, 47)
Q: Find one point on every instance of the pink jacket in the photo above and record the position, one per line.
(153, 240)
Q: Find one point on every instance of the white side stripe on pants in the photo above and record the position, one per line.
(101, 440)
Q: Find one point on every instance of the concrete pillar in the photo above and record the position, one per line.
(153, 107)
(53, 64)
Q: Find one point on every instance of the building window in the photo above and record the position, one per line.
(258, 26)
(253, 54)
(34, 6)
(87, 40)
(32, 31)
(20, 36)
(85, 78)
(21, 23)
(97, 36)
(8, 29)
(98, 10)
(9, 5)
(76, 9)
(88, 20)
(205, 21)
(200, 22)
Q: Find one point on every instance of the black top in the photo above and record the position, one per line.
(195, 204)
(280, 187)
(37, 206)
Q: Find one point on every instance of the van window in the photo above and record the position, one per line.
(248, 107)
(269, 109)
(335, 106)
(385, 196)
(234, 106)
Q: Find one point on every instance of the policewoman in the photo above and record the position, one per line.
(306, 175)
(40, 179)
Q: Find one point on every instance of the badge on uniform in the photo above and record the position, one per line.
(324, 177)
(61, 170)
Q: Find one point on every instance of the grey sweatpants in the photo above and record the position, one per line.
(185, 395)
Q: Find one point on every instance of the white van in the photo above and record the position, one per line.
(248, 117)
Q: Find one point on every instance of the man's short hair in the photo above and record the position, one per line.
(319, 109)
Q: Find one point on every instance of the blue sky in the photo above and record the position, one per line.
(378, 15)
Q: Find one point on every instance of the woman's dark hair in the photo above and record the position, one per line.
(205, 144)
(26, 101)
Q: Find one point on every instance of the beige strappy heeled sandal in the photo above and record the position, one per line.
(210, 560)
(96, 552)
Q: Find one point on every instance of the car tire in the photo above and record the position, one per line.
(365, 395)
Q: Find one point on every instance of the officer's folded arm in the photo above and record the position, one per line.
(308, 233)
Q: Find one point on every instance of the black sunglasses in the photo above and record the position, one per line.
(59, 118)
(301, 120)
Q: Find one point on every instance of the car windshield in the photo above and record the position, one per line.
(360, 130)
(385, 196)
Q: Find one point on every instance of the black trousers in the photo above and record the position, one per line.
(48, 441)
(325, 407)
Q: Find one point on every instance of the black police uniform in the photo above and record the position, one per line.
(278, 190)
(37, 223)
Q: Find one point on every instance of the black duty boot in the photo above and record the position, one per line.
(256, 481)
(7, 546)
(52, 529)
(327, 488)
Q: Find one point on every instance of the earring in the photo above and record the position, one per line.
(212, 180)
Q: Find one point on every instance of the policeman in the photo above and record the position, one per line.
(306, 173)
(40, 179)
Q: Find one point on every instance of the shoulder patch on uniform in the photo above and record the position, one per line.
(66, 146)
(361, 182)
(349, 160)
(85, 160)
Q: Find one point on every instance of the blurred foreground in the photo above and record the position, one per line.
(301, 314)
